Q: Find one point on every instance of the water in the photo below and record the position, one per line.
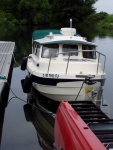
(105, 45)
(21, 131)
(17, 132)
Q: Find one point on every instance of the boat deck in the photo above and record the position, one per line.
(6, 54)
(99, 123)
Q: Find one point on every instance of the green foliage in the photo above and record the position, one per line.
(107, 22)
(7, 18)
(52, 12)
(34, 11)
(23, 21)
(78, 10)
(25, 11)
(95, 18)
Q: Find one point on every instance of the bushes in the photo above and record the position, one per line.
(7, 19)
(96, 17)
(107, 22)
(101, 20)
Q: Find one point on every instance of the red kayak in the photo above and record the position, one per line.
(72, 133)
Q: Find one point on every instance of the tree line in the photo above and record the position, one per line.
(46, 12)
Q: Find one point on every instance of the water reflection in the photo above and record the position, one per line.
(4, 94)
(17, 134)
(2, 111)
(3, 104)
(91, 32)
(105, 45)
(45, 138)
(42, 116)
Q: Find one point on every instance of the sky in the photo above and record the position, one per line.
(104, 5)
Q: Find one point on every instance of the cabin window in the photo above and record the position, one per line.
(36, 49)
(50, 50)
(71, 50)
(90, 55)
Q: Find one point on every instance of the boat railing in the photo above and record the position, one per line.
(97, 58)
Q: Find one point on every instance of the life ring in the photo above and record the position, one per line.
(24, 63)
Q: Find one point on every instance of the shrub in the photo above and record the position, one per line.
(7, 18)
(107, 22)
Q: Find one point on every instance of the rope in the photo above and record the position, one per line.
(86, 79)
(15, 96)
(79, 90)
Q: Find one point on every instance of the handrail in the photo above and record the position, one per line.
(49, 64)
(98, 62)
(67, 63)
(69, 54)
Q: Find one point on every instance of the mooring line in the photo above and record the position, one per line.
(15, 96)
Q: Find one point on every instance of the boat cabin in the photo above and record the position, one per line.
(54, 50)
(48, 44)
(66, 49)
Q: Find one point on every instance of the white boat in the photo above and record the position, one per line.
(64, 66)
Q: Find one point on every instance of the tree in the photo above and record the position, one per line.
(78, 10)
(9, 11)
(43, 12)
(9, 6)
(34, 12)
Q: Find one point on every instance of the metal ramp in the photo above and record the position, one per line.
(99, 123)
(6, 65)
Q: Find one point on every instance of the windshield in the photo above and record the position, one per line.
(90, 55)
(70, 50)
(50, 50)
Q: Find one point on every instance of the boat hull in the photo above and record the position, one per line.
(69, 91)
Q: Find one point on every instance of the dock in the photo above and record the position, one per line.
(6, 60)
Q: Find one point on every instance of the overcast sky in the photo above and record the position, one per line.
(104, 5)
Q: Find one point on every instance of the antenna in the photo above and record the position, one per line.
(70, 23)
(71, 26)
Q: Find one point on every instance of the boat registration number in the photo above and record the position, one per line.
(51, 75)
